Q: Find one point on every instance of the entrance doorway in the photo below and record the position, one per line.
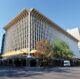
(20, 62)
(33, 63)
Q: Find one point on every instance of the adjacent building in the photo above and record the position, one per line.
(76, 33)
(3, 43)
(30, 26)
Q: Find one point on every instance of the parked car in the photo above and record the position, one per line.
(67, 63)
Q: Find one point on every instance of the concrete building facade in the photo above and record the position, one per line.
(30, 26)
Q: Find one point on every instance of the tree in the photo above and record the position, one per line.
(61, 49)
(44, 50)
(37, 54)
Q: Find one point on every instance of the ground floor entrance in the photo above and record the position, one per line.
(20, 62)
(33, 63)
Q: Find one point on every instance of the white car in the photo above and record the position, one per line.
(67, 63)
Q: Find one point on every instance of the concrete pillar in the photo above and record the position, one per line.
(7, 62)
(29, 30)
(3, 62)
(13, 62)
(27, 62)
(37, 63)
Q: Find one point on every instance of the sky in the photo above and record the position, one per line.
(65, 13)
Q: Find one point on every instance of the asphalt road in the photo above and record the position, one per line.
(39, 73)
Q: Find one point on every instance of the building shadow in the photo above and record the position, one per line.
(28, 72)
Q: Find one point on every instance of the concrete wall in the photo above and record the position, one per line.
(17, 35)
(45, 30)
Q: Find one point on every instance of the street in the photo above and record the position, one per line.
(39, 73)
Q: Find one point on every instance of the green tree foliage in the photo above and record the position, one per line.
(61, 49)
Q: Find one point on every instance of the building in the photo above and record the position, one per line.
(29, 26)
(76, 33)
(3, 43)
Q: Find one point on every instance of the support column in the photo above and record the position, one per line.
(29, 30)
(37, 63)
(27, 62)
(7, 62)
(13, 62)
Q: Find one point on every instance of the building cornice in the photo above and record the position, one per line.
(18, 17)
(53, 24)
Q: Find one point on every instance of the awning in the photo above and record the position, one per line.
(76, 57)
(33, 51)
(23, 51)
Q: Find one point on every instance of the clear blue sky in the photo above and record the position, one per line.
(65, 13)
